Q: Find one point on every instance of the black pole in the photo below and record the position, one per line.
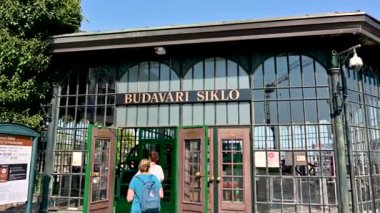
(49, 155)
(348, 134)
(340, 160)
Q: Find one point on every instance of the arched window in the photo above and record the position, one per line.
(148, 76)
(213, 74)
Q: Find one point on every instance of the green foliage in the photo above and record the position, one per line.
(25, 29)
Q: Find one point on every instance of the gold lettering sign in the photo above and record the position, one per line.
(223, 95)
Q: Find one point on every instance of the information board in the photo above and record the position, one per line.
(15, 158)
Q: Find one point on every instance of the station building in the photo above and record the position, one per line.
(247, 116)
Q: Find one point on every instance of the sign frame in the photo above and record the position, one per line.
(18, 130)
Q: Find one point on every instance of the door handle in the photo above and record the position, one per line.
(198, 175)
(218, 179)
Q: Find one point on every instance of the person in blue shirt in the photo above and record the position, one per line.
(134, 193)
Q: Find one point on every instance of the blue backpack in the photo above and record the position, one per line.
(150, 200)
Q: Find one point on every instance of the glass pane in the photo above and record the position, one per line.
(143, 81)
(198, 111)
(233, 112)
(243, 78)
(269, 70)
(244, 113)
(294, 71)
(297, 111)
(284, 112)
(198, 77)
(324, 111)
(296, 93)
(309, 93)
(174, 115)
(131, 115)
(232, 74)
(154, 76)
(192, 165)
(258, 78)
(164, 78)
(321, 75)
(282, 71)
(323, 93)
(220, 73)
(310, 112)
(209, 114)
(163, 115)
(308, 71)
(283, 94)
(209, 73)
(142, 113)
(121, 116)
(258, 109)
(174, 82)
(187, 113)
(152, 115)
(221, 111)
(258, 95)
(187, 81)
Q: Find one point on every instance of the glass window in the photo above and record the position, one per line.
(148, 76)
(295, 75)
(198, 114)
(209, 73)
(164, 115)
(218, 73)
(210, 114)
(292, 115)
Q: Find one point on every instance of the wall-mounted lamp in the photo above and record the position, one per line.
(355, 63)
(160, 50)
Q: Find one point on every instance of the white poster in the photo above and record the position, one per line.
(77, 159)
(261, 159)
(15, 157)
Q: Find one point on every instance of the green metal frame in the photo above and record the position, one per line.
(87, 175)
(88, 167)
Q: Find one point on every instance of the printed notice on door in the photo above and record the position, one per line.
(15, 157)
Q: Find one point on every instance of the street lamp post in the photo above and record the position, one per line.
(355, 63)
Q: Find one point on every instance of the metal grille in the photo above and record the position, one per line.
(86, 97)
(292, 137)
(363, 114)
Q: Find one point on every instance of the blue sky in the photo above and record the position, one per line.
(106, 15)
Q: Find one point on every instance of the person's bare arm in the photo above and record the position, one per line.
(161, 192)
(130, 195)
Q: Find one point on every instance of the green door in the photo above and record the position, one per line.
(100, 162)
(136, 144)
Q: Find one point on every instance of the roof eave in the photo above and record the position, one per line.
(356, 23)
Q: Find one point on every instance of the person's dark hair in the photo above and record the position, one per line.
(144, 165)
(153, 156)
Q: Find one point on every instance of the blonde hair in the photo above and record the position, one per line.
(144, 165)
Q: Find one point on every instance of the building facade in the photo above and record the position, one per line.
(241, 113)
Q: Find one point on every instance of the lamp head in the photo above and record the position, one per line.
(160, 50)
(355, 62)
